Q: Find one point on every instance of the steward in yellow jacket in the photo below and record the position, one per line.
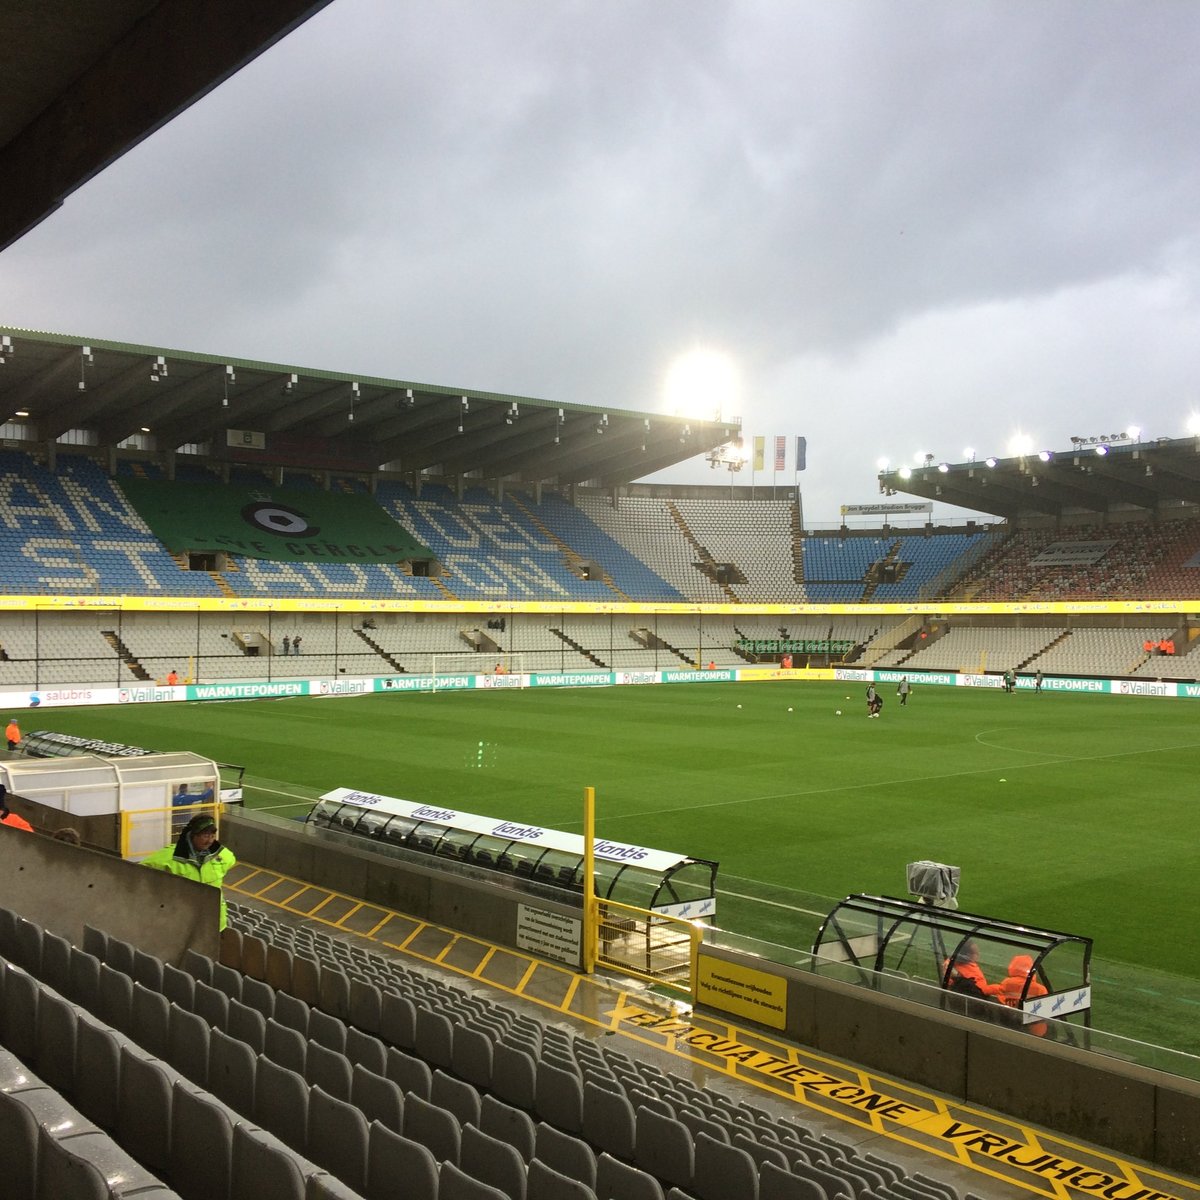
(197, 855)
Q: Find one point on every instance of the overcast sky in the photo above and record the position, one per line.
(911, 226)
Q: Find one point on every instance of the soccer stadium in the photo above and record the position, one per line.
(595, 839)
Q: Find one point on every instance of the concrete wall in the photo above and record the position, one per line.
(1133, 1110)
(63, 887)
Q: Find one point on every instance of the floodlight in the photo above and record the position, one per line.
(1193, 424)
(969, 454)
(991, 462)
(1044, 455)
(1102, 450)
(905, 473)
(883, 464)
(1134, 433)
(943, 467)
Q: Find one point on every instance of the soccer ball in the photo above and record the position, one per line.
(789, 710)
(837, 712)
(739, 706)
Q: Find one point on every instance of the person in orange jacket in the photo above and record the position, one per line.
(1020, 969)
(13, 733)
(964, 975)
(11, 819)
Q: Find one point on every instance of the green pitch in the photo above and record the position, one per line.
(1075, 813)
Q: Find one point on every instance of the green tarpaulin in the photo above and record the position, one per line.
(270, 522)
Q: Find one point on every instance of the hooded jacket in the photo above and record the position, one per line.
(1020, 968)
(181, 860)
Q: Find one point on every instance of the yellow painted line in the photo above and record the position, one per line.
(446, 949)
(338, 924)
(330, 896)
(945, 1129)
(378, 926)
(298, 892)
(488, 955)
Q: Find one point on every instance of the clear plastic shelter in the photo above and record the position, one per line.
(975, 961)
(659, 880)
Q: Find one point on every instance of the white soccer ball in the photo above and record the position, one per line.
(837, 712)
(789, 710)
(739, 706)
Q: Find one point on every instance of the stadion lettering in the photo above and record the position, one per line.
(524, 833)
(698, 676)
(1126, 687)
(579, 679)
(637, 677)
(423, 683)
(145, 695)
(500, 681)
(792, 646)
(339, 687)
(981, 681)
(245, 691)
(915, 677)
(617, 850)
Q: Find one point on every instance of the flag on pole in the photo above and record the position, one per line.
(780, 452)
(801, 452)
(760, 453)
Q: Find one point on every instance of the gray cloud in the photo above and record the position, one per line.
(908, 222)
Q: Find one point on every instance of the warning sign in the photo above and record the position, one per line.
(743, 991)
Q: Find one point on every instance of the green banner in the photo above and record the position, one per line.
(270, 522)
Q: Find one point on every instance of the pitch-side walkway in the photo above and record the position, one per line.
(984, 1152)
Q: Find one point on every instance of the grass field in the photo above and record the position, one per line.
(1074, 813)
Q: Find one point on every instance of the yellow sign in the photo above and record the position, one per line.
(743, 991)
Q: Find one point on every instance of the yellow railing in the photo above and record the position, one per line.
(647, 945)
(144, 830)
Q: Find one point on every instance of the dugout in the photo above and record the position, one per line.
(129, 806)
(659, 880)
(877, 941)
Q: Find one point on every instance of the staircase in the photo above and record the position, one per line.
(572, 558)
(707, 565)
(362, 633)
(125, 655)
(570, 641)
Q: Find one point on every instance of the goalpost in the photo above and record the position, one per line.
(507, 669)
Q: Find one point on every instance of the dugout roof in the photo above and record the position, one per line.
(84, 82)
(273, 414)
(1091, 477)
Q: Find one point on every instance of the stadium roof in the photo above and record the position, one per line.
(286, 415)
(1094, 476)
(84, 82)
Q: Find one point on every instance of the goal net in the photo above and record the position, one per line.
(503, 670)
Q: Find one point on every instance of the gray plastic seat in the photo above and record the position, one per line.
(328, 1030)
(292, 1012)
(337, 1138)
(178, 986)
(616, 1180)
(390, 1157)
(455, 1096)
(327, 1069)
(97, 1073)
(409, 1072)
(201, 1132)
(150, 1016)
(456, 1184)
(398, 1021)
(514, 1075)
(364, 1049)
(558, 1096)
(434, 1038)
(433, 1127)
(609, 1121)
(114, 1004)
(83, 987)
(472, 1056)
(562, 1152)
(262, 1166)
(663, 1146)
(493, 1161)
(285, 1046)
(56, 1030)
(281, 1103)
(721, 1170)
(545, 1183)
(379, 1098)
(777, 1184)
(509, 1124)
(259, 995)
(144, 1109)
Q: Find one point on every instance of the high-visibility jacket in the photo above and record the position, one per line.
(178, 860)
(15, 822)
(13, 732)
(1020, 969)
